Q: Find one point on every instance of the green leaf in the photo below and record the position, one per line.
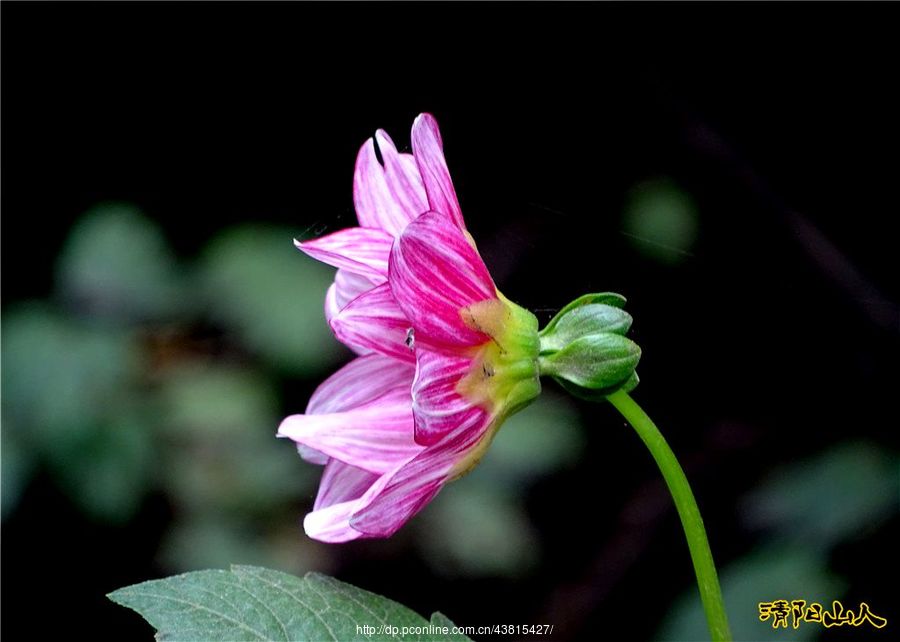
(606, 298)
(257, 283)
(593, 318)
(597, 361)
(252, 603)
(117, 264)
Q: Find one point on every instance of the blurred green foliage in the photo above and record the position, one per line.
(829, 498)
(144, 374)
(253, 281)
(803, 510)
(117, 265)
(778, 571)
(661, 220)
(114, 389)
(70, 401)
(108, 391)
(454, 534)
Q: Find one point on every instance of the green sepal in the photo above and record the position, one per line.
(606, 298)
(599, 395)
(597, 361)
(582, 321)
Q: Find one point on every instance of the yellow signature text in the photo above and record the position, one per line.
(797, 611)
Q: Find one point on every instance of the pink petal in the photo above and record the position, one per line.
(374, 436)
(437, 407)
(428, 149)
(360, 250)
(418, 481)
(434, 274)
(330, 522)
(342, 482)
(403, 179)
(389, 196)
(312, 455)
(359, 382)
(374, 321)
(346, 287)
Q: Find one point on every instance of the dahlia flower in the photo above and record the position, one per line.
(444, 356)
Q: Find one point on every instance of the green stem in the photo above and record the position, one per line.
(691, 521)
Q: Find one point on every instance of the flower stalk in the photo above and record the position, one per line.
(691, 521)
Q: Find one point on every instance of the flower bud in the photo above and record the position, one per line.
(585, 349)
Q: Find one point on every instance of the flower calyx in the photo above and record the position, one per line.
(585, 349)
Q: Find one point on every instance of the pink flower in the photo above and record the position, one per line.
(446, 357)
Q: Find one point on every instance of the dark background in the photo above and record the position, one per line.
(772, 338)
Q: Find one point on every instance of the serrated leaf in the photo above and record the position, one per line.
(252, 603)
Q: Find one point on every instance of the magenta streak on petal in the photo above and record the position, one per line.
(359, 382)
(374, 321)
(342, 482)
(437, 407)
(403, 179)
(434, 273)
(360, 250)
(428, 149)
(389, 196)
(332, 523)
(375, 436)
(346, 287)
(419, 480)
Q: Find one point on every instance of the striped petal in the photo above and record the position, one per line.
(428, 149)
(437, 406)
(342, 482)
(386, 196)
(331, 524)
(419, 480)
(361, 250)
(403, 179)
(360, 382)
(374, 321)
(435, 273)
(374, 437)
(346, 287)
(330, 519)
